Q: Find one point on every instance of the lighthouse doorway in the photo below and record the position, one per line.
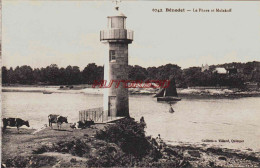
(112, 106)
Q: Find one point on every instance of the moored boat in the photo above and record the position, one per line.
(169, 98)
(44, 92)
(168, 94)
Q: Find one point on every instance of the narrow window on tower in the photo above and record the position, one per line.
(112, 55)
(124, 23)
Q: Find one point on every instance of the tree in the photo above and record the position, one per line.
(76, 75)
(191, 76)
(151, 73)
(37, 75)
(4, 75)
(92, 72)
(52, 74)
(137, 73)
(24, 74)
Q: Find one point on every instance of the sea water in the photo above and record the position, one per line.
(230, 123)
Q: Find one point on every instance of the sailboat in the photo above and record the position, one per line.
(169, 93)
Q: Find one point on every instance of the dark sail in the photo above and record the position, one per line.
(171, 90)
(160, 93)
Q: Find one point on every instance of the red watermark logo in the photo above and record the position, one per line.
(131, 83)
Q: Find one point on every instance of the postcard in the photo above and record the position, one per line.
(130, 83)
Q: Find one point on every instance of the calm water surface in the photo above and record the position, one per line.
(194, 120)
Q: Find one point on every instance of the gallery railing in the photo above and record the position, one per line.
(116, 34)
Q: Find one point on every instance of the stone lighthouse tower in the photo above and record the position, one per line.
(116, 38)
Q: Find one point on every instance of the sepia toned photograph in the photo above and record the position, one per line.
(128, 83)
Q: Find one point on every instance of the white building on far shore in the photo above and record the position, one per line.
(204, 68)
(220, 70)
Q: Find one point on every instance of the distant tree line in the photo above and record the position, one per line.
(72, 75)
(52, 75)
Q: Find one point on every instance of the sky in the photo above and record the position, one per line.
(41, 33)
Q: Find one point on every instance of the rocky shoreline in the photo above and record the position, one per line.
(183, 93)
(97, 147)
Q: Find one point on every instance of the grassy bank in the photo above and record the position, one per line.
(123, 144)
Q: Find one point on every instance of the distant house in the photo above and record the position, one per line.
(232, 70)
(204, 68)
(220, 71)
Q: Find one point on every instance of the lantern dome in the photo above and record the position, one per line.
(117, 13)
(116, 28)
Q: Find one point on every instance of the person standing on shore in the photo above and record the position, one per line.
(142, 122)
